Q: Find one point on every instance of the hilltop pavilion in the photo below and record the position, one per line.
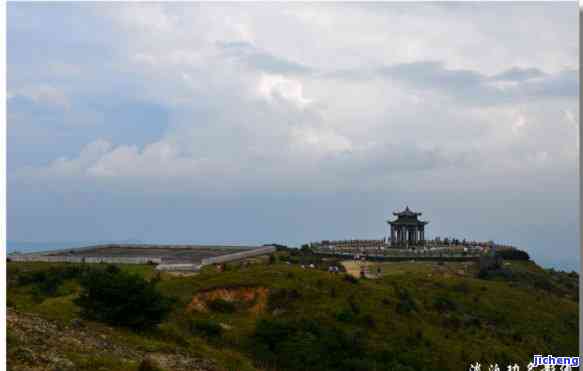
(407, 230)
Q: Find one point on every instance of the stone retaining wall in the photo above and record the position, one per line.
(135, 246)
(238, 256)
(216, 260)
(81, 259)
(178, 267)
(43, 257)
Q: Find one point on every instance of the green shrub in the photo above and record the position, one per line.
(333, 293)
(452, 322)
(471, 321)
(513, 254)
(357, 364)
(542, 283)
(461, 287)
(123, 299)
(406, 303)
(46, 283)
(170, 332)
(345, 315)
(281, 298)
(369, 321)
(148, 364)
(11, 339)
(406, 306)
(353, 304)
(350, 278)
(492, 274)
(270, 332)
(206, 327)
(222, 306)
(307, 345)
(444, 304)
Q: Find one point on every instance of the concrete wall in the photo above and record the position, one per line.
(42, 257)
(80, 259)
(216, 260)
(123, 245)
(178, 267)
(238, 255)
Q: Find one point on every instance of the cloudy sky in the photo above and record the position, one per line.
(258, 123)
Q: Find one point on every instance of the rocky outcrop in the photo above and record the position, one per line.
(254, 298)
(38, 344)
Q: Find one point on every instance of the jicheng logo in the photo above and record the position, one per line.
(550, 360)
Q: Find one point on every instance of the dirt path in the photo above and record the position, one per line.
(353, 267)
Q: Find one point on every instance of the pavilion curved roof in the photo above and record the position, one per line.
(407, 222)
(406, 212)
(407, 217)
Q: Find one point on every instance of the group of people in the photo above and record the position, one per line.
(364, 270)
(333, 269)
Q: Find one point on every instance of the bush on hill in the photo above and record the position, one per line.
(120, 298)
(47, 282)
(444, 304)
(513, 254)
(350, 278)
(282, 298)
(148, 364)
(222, 306)
(315, 320)
(406, 303)
(206, 327)
(493, 274)
(307, 345)
(345, 315)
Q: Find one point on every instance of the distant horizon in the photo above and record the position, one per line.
(55, 245)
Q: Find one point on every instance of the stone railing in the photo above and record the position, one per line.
(443, 253)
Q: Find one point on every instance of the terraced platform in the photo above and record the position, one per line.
(167, 254)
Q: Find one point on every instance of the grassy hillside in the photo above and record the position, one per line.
(272, 315)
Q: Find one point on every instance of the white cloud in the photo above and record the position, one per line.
(320, 140)
(46, 94)
(293, 89)
(571, 118)
(75, 167)
(518, 124)
(278, 87)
